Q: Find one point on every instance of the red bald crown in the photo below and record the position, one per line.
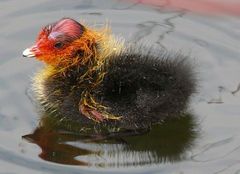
(65, 29)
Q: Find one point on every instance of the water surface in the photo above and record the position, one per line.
(205, 141)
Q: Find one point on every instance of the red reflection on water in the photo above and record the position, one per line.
(199, 6)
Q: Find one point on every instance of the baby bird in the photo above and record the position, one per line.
(92, 77)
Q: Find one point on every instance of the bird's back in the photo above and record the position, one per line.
(145, 88)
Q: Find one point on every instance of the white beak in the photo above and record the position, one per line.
(28, 53)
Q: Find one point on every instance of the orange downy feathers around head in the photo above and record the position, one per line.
(66, 43)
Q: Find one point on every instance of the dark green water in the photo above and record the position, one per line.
(205, 141)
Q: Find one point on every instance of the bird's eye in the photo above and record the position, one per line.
(58, 45)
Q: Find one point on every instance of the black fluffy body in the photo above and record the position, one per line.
(143, 88)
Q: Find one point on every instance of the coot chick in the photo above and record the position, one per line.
(93, 78)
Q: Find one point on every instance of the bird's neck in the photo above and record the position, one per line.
(95, 47)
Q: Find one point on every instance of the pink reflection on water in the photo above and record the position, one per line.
(199, 6)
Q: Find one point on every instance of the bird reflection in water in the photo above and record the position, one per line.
(167, 142)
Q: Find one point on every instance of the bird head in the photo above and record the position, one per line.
(64, 42)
